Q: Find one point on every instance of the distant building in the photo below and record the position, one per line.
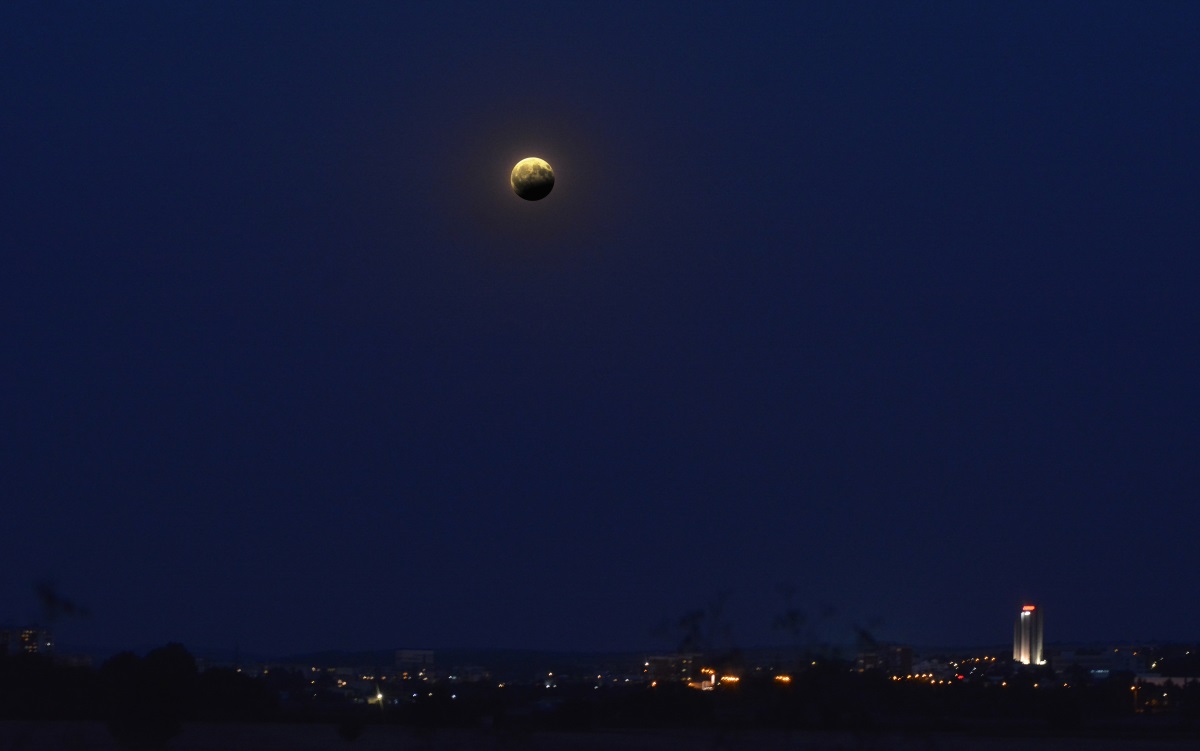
(1027, 637)
(891, 659)
(469, 674)
(673, 668)
(28, 640)
(1102, 661)
(413, 663)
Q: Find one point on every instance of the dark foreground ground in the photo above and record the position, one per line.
(83, 736)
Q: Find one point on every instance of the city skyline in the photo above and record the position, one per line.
(840, 315)
(1029, 645)
(1140, 692)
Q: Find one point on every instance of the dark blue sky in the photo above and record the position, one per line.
(895, 303)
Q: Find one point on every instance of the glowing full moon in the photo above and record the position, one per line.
(532, 179)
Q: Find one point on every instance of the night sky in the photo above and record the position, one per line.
(892, 304)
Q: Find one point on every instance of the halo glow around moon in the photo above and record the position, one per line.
(532, 179)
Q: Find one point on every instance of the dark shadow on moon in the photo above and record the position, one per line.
(532, 180)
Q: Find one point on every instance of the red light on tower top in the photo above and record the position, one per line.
(1029, 608)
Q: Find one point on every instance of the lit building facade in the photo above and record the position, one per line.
(28, 640)
(412, 664)
(891, 659)
(1027, 636)
(675, 668)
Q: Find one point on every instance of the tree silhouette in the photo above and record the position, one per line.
(147, 697)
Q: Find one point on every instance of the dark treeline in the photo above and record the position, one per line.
(144, 700)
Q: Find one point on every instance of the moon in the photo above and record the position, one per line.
(532, 179)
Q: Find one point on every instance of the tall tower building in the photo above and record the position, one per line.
(1027, 636)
